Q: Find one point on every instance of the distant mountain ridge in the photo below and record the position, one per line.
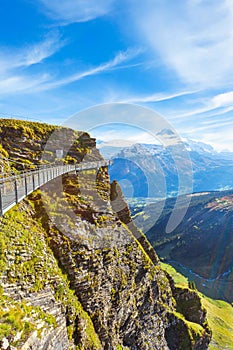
(151, 171)
(112, 149)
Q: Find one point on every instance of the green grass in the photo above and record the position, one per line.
(179, 279)
(20, 232)
(18, 317)
(220, 318)
(219, 314)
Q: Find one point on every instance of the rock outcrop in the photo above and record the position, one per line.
(77, 274)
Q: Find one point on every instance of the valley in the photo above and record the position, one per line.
(202, 244)
(219, 313)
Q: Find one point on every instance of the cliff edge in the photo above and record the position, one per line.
(75, 272)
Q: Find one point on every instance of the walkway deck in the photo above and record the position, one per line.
(14, 188)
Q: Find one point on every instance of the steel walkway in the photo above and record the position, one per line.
(14, 188)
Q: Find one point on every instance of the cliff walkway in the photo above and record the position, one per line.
(15, 187)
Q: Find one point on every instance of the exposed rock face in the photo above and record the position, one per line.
(36, 143)
(80, 275)
(45, 336)
(121, 208)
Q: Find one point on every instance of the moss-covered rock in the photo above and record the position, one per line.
(78, 271)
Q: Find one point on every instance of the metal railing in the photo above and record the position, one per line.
(14, 188)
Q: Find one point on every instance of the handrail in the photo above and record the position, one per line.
(15, 188)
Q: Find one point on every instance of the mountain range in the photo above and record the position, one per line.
(149, 170)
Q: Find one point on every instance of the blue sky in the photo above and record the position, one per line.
(175, 57)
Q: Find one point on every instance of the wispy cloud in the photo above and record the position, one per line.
(18, 84)
(208, 106)
(121, 138)
(30, 54)
(194, 39)
(15, 83)
(39, 52)
(13, 78)
(216, 120)
(214, 125)
(223, 99)
(159, 97)
(113, 64)
(220, 140)
(215, 131)
(70, 11)
(220, 137)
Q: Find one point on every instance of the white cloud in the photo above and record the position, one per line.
(214, 125)
(18, 84)
(113, 64)
(212, 106)
(119, 135)
(192, 38)
(30, 54)
(37, 53)
(13, 78)
(159, 97)
(190, 112)
(224, 99)
(216, 132)
(220, 140)
(15, 83)
(71, 11)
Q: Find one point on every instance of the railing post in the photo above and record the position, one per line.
(25, 184)
(3, 188)
(1, 204)
(16, 191)
(33, 182)
(38, 177)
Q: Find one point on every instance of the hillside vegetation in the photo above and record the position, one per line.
(219, 314)
(73, 273)
(201, 247)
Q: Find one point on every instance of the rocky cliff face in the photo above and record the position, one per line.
(77, 274)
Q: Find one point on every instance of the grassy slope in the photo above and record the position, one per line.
(219, 314)
(18, 231)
